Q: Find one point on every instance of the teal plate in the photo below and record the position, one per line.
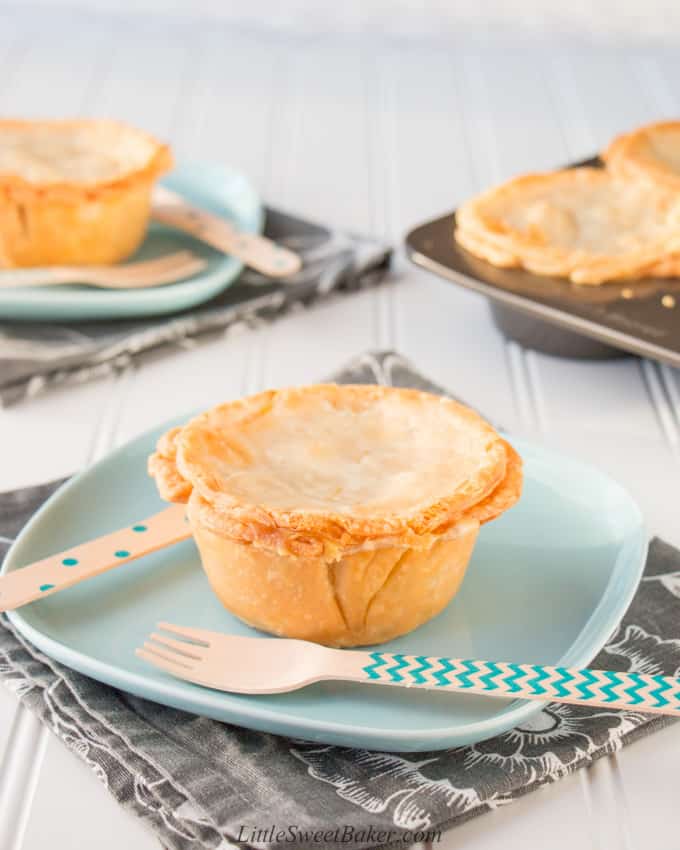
(548, 583)
(213, 187)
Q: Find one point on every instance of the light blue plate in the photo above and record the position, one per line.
(214, 187)
(548, 583)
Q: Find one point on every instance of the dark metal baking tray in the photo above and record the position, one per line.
(552, 314)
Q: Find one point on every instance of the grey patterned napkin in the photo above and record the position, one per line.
(203, 784)
(35, 357)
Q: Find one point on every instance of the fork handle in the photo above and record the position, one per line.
(48, 576)
(15, 278)
(602, 688)
(253, 250)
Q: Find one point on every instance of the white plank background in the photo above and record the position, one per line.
(374, 134)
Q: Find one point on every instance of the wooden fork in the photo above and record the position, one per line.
(254, 250)
(251, 665)
(136, 275)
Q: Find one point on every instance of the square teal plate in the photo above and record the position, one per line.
(213, 187)
(548, 583)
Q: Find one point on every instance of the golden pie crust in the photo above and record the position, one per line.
(75, 192)
(587, 224)
(651, 152)
(344, 515)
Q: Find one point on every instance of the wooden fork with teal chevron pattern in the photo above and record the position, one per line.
(252, 665)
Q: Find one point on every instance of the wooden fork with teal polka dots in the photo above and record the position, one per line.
(85, 560)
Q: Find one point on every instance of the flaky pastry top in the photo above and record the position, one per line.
(583, 210)
(583, 223)
(320, 469)
(74, 156)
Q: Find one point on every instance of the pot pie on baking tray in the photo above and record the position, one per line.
(344, 515)
(75, 192)
(591, 225)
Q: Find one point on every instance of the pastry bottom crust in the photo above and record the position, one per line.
(366, 597)
(49, 231)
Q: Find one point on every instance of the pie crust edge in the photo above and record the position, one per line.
(328, 534)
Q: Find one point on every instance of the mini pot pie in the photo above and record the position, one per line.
(582, 223)
(344, 515)
(75, 192)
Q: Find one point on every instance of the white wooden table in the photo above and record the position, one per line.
(374, 135)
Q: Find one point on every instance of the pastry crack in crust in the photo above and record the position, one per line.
(331, 572)
(399, 560)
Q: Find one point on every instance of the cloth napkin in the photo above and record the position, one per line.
(37, 356)
(203, 784)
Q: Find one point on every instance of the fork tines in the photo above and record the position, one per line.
(175, 656)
